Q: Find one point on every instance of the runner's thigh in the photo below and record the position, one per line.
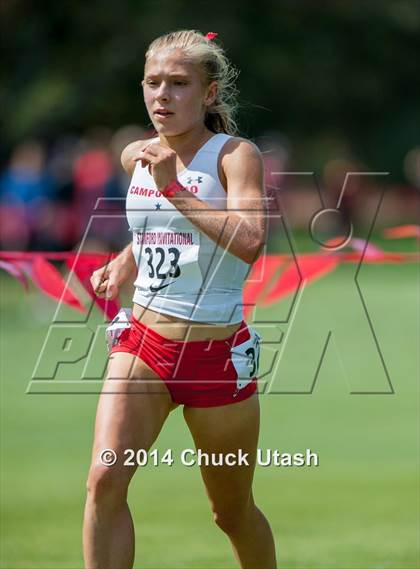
(224, 430)
(132, 408)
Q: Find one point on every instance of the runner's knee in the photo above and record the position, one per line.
(106, 483)
(230, 521)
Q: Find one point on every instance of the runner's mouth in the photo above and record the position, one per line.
(163, 114)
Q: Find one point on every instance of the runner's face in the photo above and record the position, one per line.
(174, 94)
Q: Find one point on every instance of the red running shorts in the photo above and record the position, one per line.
(198, 373)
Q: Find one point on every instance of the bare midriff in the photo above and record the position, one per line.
(180, 329)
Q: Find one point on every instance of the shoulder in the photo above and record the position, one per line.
(240, 155)
(238, 149)
(130, 152)
(240, 145)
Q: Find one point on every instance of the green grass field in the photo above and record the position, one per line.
(358, 510)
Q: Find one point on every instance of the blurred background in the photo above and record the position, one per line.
(328, 88)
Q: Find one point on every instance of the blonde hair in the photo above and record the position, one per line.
(215, 66)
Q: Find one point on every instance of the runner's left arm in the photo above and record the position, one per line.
(241, 228)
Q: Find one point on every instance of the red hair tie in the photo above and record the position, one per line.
(211, 35)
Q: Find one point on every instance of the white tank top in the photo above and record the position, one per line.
(181, 271)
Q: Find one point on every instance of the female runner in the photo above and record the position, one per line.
(195, 207)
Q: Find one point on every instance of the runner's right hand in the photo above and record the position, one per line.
(107, 280)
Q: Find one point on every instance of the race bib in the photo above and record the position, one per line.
(245, 358)
(167, 261)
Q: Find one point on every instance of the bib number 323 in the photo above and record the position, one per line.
(167, 260)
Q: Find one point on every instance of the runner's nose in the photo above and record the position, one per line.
(163, 93)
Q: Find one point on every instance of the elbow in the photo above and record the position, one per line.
(253, 251)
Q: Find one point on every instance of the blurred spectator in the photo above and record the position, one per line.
(92, 172)
(26, 180)
(25, 187)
